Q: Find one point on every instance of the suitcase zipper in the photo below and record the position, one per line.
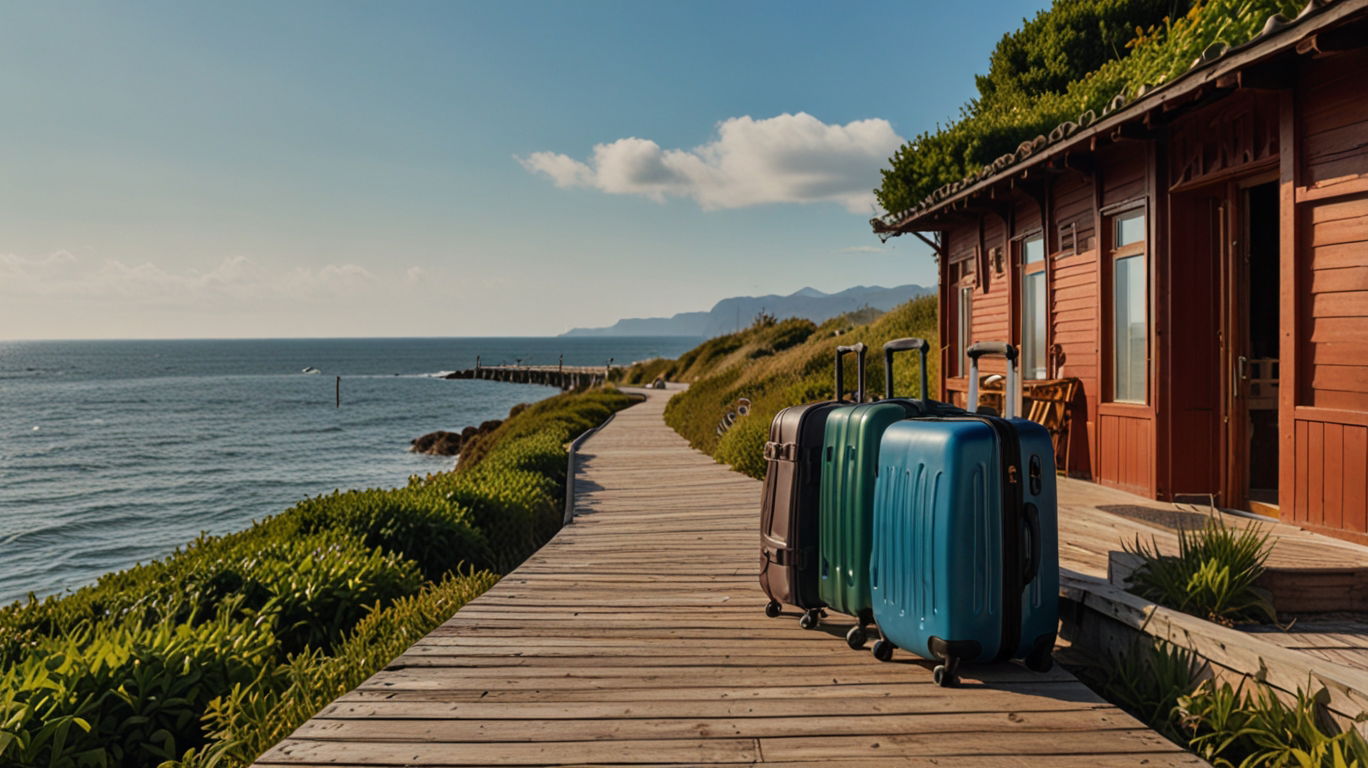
(1013, 580)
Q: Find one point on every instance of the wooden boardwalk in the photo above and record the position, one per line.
(637, 637)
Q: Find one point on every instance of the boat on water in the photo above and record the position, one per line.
(311, 370)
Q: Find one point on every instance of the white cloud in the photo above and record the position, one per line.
(861, 249)
(783, 159)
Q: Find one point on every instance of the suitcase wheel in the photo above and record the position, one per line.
(773, 609)
(1040, 661)
(856, 637)
(883, 650)
(811, 619)
(947, 675)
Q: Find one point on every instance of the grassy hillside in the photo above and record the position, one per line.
(776, 365)
(214, 653)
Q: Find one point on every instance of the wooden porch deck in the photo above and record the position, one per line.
(636, 637)
(1088, 532)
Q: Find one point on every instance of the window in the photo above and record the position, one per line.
(962, 296)
(1033, 307)
(1130, 308)
(964, 323)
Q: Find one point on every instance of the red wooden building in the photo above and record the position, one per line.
(1197, 257)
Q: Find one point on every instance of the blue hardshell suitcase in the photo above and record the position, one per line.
(965, 560)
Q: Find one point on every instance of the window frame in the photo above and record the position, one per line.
(1025, 270)
(962, 284)
(1111, 217)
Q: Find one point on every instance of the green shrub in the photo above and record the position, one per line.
(126, 695)
(426, 528)
(249, 719)
(646, 371)
(1230, 726)
(743, 446)
(1147, 680)
(315, 589)
(1213, 576)
(1250, 727)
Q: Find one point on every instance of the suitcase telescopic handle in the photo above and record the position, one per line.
(859, 349)
(1011, 394)
(901, 345)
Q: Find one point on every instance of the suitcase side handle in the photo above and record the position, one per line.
(859, 349)
(902, 345)
(1011, 395)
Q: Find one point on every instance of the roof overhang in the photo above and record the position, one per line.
(1219, 69)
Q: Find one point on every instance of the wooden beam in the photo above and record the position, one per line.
(935, 244)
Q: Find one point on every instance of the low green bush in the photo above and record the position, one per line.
(1254, 728)
(213, 653)
(251, 718)
(1213, 576)
(1250, 726)
(644, 372)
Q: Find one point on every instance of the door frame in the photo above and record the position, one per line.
(1234, 336)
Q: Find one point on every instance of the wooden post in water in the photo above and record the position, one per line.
(339, 391)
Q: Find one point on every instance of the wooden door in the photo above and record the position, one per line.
(1248, 230)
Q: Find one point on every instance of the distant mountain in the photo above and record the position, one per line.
(728, 315)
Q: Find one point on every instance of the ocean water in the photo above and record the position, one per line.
(117, 452)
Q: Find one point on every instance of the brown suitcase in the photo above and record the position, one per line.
(788, 508)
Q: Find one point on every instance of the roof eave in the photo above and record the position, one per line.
(1277, 38)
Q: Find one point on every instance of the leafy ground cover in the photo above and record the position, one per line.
(1248, 725)
(1214, 576)
(209, 656)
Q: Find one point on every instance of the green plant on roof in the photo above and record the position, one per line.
(1075, 57)
(1214, 574)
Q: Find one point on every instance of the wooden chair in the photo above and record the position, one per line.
(1048, 402)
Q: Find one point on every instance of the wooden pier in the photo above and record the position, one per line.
(636, 637)
(566, 377)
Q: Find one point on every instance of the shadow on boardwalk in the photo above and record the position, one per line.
(636, 637)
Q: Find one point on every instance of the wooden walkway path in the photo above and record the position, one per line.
(637, 637)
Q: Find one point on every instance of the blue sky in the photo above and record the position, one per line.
(187, 169)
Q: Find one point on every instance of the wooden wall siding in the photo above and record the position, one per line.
(1326, 384)
(1125, 457)
(992, 309)
(1025, 215)
(1333, 107)
(1125, 173)
(1073, 309)
(1334, 363)
(1227, 137)
(1332, 487)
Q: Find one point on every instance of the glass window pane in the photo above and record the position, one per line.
(1129, 327)
(1033, 250)
(1033, 326)
(1130, 228)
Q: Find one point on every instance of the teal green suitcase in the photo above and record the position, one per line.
(850, 460)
